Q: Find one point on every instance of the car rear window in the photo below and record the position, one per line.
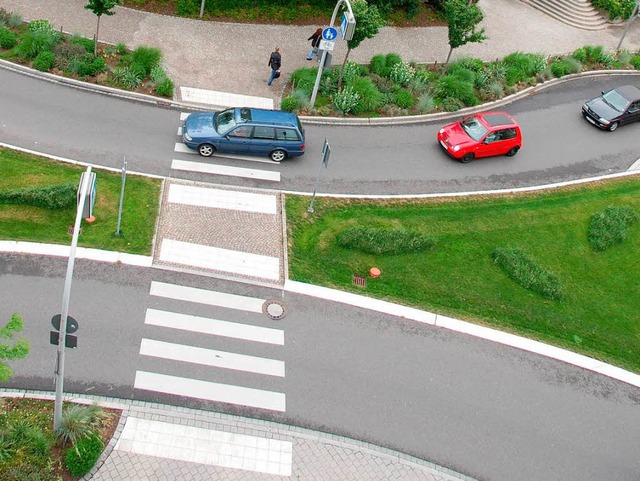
(287, 134)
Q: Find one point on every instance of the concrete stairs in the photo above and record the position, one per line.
(577, 13)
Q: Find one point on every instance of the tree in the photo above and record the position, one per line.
(368, 23)
(100, 8)
(10, 351)
(462, 18)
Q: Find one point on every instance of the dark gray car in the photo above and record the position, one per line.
(613, 108)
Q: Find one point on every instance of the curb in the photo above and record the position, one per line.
(312, 120)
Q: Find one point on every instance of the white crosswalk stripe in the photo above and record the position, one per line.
(213, 358)
(226, 170)
(186, 355)
(223, 199)
(214, 327)
(211, 391)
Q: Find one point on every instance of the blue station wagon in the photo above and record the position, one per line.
(245, 131)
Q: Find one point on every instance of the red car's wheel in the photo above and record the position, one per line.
(466, 158)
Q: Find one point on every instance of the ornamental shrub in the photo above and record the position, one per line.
(67, 53)
(304, 78)
(87, 43)
(403, 99)
(289, 104)
(425, 104)
(635, 61)
(351, 71)
(402, 73)
(521, 66)
(452, 86)
(380, 240)
(87, 66)
(8, 38)
(565, 66)
(391, 59)
(127, 77)
(84, 455)
(525, 271)
(34, 42)
(44, 61)
(4, 16)
(146, 58)
(187, 8)
(157, 74)
(165, 88)
(609, 226)
(80, 421)
(54, 197)
(451, 104)
(369, 97)
(345, 100)
(40, 26)
(378, 65)
(615, 8)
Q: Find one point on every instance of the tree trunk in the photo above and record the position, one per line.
(449, 56)
(346, 57)
(95, 43)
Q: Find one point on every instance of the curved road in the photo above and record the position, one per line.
(483, 409)
(558, 144)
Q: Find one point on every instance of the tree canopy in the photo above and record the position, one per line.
(462, 18)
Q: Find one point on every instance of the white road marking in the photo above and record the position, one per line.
(213, 358)
(215, 258)
(211, 391)
(224, 99)
(206, 446)
(635, 165)
(204, 325)
(184, 115)
(203, 296)
(206, 168)
(223, 199)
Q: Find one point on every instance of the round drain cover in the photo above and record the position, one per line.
(274, 309)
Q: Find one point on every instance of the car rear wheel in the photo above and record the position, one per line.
(206, 150)
(278, 155)
(513, 151)
(466, 158)
(613, 126)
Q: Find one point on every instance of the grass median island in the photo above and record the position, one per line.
(597, 314)
(38, 224)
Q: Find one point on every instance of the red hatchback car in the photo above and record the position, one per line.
(481, 135)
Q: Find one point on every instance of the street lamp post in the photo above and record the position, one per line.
(59, 371)
(636, 10)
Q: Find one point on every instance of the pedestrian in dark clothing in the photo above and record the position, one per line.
(275, 61)
(315, 43)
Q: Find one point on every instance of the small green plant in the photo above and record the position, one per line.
(87, 65)
(8, 38)
(15, 20)
(521, 66)
(87, 43)
(304, 78)
(351, 71)
(67, 53)
(83, 456)
(121, 49)
(525, 271)
(146, 58)
(127, 77)
(379, 240)
(624, 57)
(403, 99)
(451, 104)
(44, 61)
(369, 97)
(402, 73)
(165, 88)
(616, 8)
(378, 65)
(565, 66)
(157, 74)
(80, 421)
(54, 197)
(495, 90)
(34, 42)
(453, 86)
(609, 226)
(425, 104)
(345, 100)
(289, 104)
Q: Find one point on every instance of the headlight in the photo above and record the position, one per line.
(604, 121)
(441, 131)
(456, 148)
(187, 137)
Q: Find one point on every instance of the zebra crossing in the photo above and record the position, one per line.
(216, 361)
(208, 166)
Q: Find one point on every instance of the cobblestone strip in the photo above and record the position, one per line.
(251, 232)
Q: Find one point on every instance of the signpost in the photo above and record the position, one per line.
(326, 153)
(329, 35)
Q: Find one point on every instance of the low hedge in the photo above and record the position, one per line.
(609, 226)
(372, 240)
(84, 455)
(54, 197)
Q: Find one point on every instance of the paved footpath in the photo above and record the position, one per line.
(232, 58)
(154, 442)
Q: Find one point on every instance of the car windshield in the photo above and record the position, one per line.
(473, 128)
(617, 101)
(225, 121)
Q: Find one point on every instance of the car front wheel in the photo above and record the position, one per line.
(513, 151)
(613, 126)
(278, 155)
(206, 150)
(466, 158)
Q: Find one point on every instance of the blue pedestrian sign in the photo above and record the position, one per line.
(330, 34)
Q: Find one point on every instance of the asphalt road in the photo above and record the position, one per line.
(558, 144)
(489, 411)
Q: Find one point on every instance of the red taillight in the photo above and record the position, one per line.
(302, 147)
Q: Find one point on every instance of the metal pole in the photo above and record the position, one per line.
(57, 413)
(202, 8)
(315, 187)
(626, 28)
(312, 102)
(124, 179)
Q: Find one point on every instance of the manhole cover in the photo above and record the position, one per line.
(274, 309)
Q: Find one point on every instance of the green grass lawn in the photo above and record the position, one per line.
(597, 316)
(21, 222)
